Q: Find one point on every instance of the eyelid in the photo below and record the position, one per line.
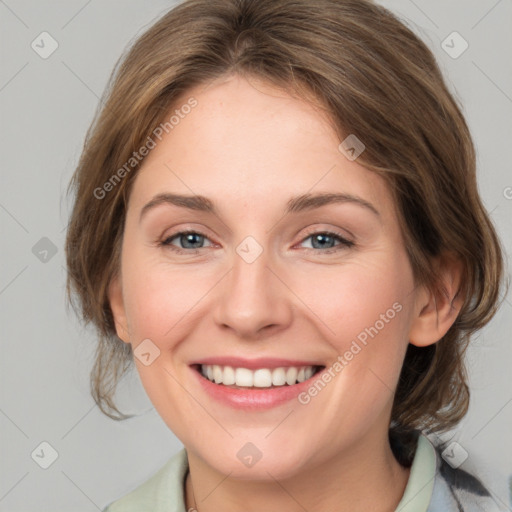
(187, 228)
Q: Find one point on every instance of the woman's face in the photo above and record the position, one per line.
(260, 285)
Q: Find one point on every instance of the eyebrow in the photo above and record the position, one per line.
(296, 204)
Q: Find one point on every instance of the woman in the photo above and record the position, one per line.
(313, 332)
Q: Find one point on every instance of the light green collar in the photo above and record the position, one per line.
(420, 485)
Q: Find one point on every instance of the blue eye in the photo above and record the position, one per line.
(191, 242)
(189, 239)
(323, 239)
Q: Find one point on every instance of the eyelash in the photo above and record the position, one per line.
(344, 243)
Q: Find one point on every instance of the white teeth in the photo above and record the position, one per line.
(217, 374)
(228, 377)
(278, 376)
(261, 378)
(243, 377)
(291, 375)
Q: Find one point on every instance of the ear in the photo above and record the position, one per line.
(115, 297)
(437, 311)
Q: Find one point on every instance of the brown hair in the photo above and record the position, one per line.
(376, 80)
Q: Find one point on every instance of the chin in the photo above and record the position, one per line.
(248, 462)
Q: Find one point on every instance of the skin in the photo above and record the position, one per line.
(250, 147)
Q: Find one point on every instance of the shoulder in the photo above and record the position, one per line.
(455, 488)
(437, 483)
(163, 491)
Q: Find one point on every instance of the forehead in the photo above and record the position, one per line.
(251, 143)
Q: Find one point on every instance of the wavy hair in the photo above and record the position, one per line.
(376, 79)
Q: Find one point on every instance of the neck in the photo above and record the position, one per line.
(367, 477)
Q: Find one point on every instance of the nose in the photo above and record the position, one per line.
(253, 299)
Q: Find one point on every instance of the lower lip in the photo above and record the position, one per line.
(254, 398)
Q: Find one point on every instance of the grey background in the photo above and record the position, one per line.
(46, 107)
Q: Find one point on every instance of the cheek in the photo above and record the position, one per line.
(365, 313)
(367, 308)
(162, 303)
(360, 297)
(159, 301)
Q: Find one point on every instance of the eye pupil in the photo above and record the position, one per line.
(321, 237)
(189, 237)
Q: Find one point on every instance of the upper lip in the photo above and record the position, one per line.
(254, 364)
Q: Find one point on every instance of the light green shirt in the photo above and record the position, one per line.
(164, 491)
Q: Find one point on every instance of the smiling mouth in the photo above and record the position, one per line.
(261, 378)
